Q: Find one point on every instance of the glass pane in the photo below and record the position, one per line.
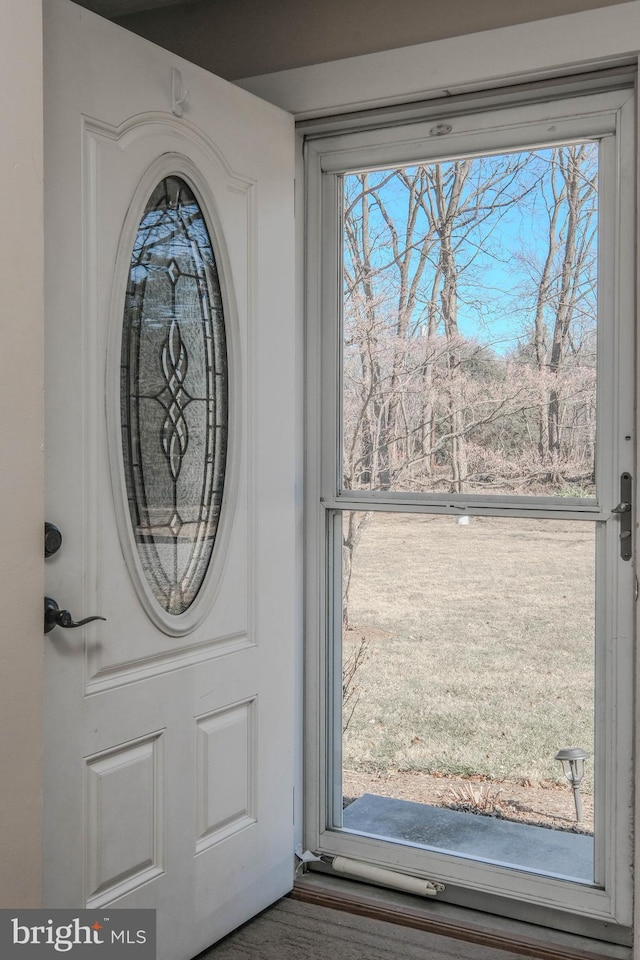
(469, 325)
(174, 395)
(468, 664)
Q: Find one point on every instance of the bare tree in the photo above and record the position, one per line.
(565, 314)
(410, 235)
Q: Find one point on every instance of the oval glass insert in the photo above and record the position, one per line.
(174, 395)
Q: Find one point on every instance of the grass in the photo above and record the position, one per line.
(479, 653)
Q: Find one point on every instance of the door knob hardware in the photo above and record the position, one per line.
(624, 512)
(55, 617)
(52, 539)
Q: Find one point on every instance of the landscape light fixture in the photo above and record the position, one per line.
(572, 760)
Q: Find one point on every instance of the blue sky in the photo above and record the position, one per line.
(499, 255)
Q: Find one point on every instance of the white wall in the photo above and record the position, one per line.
(21, 473)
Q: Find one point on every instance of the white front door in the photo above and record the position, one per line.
(170, 459)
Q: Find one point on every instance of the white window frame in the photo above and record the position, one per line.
(485, 125)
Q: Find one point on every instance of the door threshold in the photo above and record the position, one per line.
(458, 923)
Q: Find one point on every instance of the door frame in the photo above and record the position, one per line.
(351, 93)
(331, 148)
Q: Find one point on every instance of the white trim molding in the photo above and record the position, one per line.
(573, 43)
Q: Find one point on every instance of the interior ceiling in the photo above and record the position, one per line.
(119, 8)
(236, 39)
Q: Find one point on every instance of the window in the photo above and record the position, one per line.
(174, 395)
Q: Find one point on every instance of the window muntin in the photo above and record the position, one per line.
(174, 395)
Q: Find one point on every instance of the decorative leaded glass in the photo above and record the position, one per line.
(173, 395)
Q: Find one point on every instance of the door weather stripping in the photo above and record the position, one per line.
(624, 511)
(386, 878)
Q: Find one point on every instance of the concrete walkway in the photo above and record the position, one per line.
(551, 852)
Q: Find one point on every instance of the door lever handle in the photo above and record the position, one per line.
(55, 617)
(624, 512)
